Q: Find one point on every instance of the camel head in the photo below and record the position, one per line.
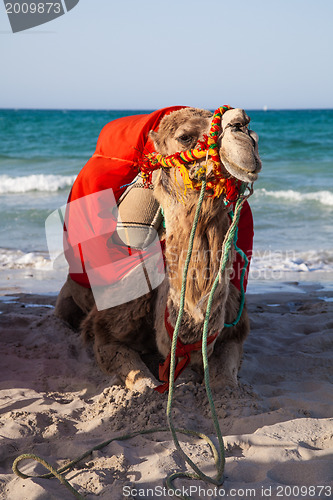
(237, 146)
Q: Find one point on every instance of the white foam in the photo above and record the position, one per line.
(326, 299)
(323, 197)
(270, 260)
(35, 182)
(290, 261)
(15, 259)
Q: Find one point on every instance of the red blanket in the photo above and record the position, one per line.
(91, 218)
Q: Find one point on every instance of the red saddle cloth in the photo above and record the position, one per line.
(90, 220)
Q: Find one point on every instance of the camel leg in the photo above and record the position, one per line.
(119, 334)
(67, 309)
(73, 303)
(227, 356)
(116, 358)
(225, 364)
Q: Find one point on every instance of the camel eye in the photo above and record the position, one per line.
(185, 138)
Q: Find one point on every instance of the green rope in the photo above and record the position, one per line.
(53, 472)
(219, 462)
(246, 263)
(58, 472)
(218, 454)
(163, 218)
(242, 299)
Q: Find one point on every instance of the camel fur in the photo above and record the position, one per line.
(121, 334)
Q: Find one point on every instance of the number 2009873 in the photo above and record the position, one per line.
(33, 8)
(302, 491)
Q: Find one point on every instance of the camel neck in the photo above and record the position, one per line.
(212, 226)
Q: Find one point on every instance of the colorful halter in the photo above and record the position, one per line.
(208, 147)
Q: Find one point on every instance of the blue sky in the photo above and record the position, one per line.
(145, 54)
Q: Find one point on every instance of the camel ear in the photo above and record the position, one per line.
(154, 137)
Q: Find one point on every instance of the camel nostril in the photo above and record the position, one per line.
(254, 138)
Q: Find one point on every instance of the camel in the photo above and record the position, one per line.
(121, 334)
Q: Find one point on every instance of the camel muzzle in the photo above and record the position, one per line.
(239, 146)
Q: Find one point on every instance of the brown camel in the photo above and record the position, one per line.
(120, 334)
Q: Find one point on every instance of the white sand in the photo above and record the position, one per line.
(278, 429)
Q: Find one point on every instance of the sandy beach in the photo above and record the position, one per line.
(277, 427)
(85, 86)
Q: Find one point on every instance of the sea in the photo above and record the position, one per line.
(42, 152)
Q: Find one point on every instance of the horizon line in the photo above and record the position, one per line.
(263, 108)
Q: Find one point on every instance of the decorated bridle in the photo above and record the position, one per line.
(208, 147)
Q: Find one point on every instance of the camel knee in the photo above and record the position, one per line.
(73, 303)
(67, 309)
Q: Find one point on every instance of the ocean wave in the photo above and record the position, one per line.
(291, 261)
(35, 182)
(16, 259)
(323, 197)
(263, 263)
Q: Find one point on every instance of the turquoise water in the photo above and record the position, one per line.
(42, 151)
